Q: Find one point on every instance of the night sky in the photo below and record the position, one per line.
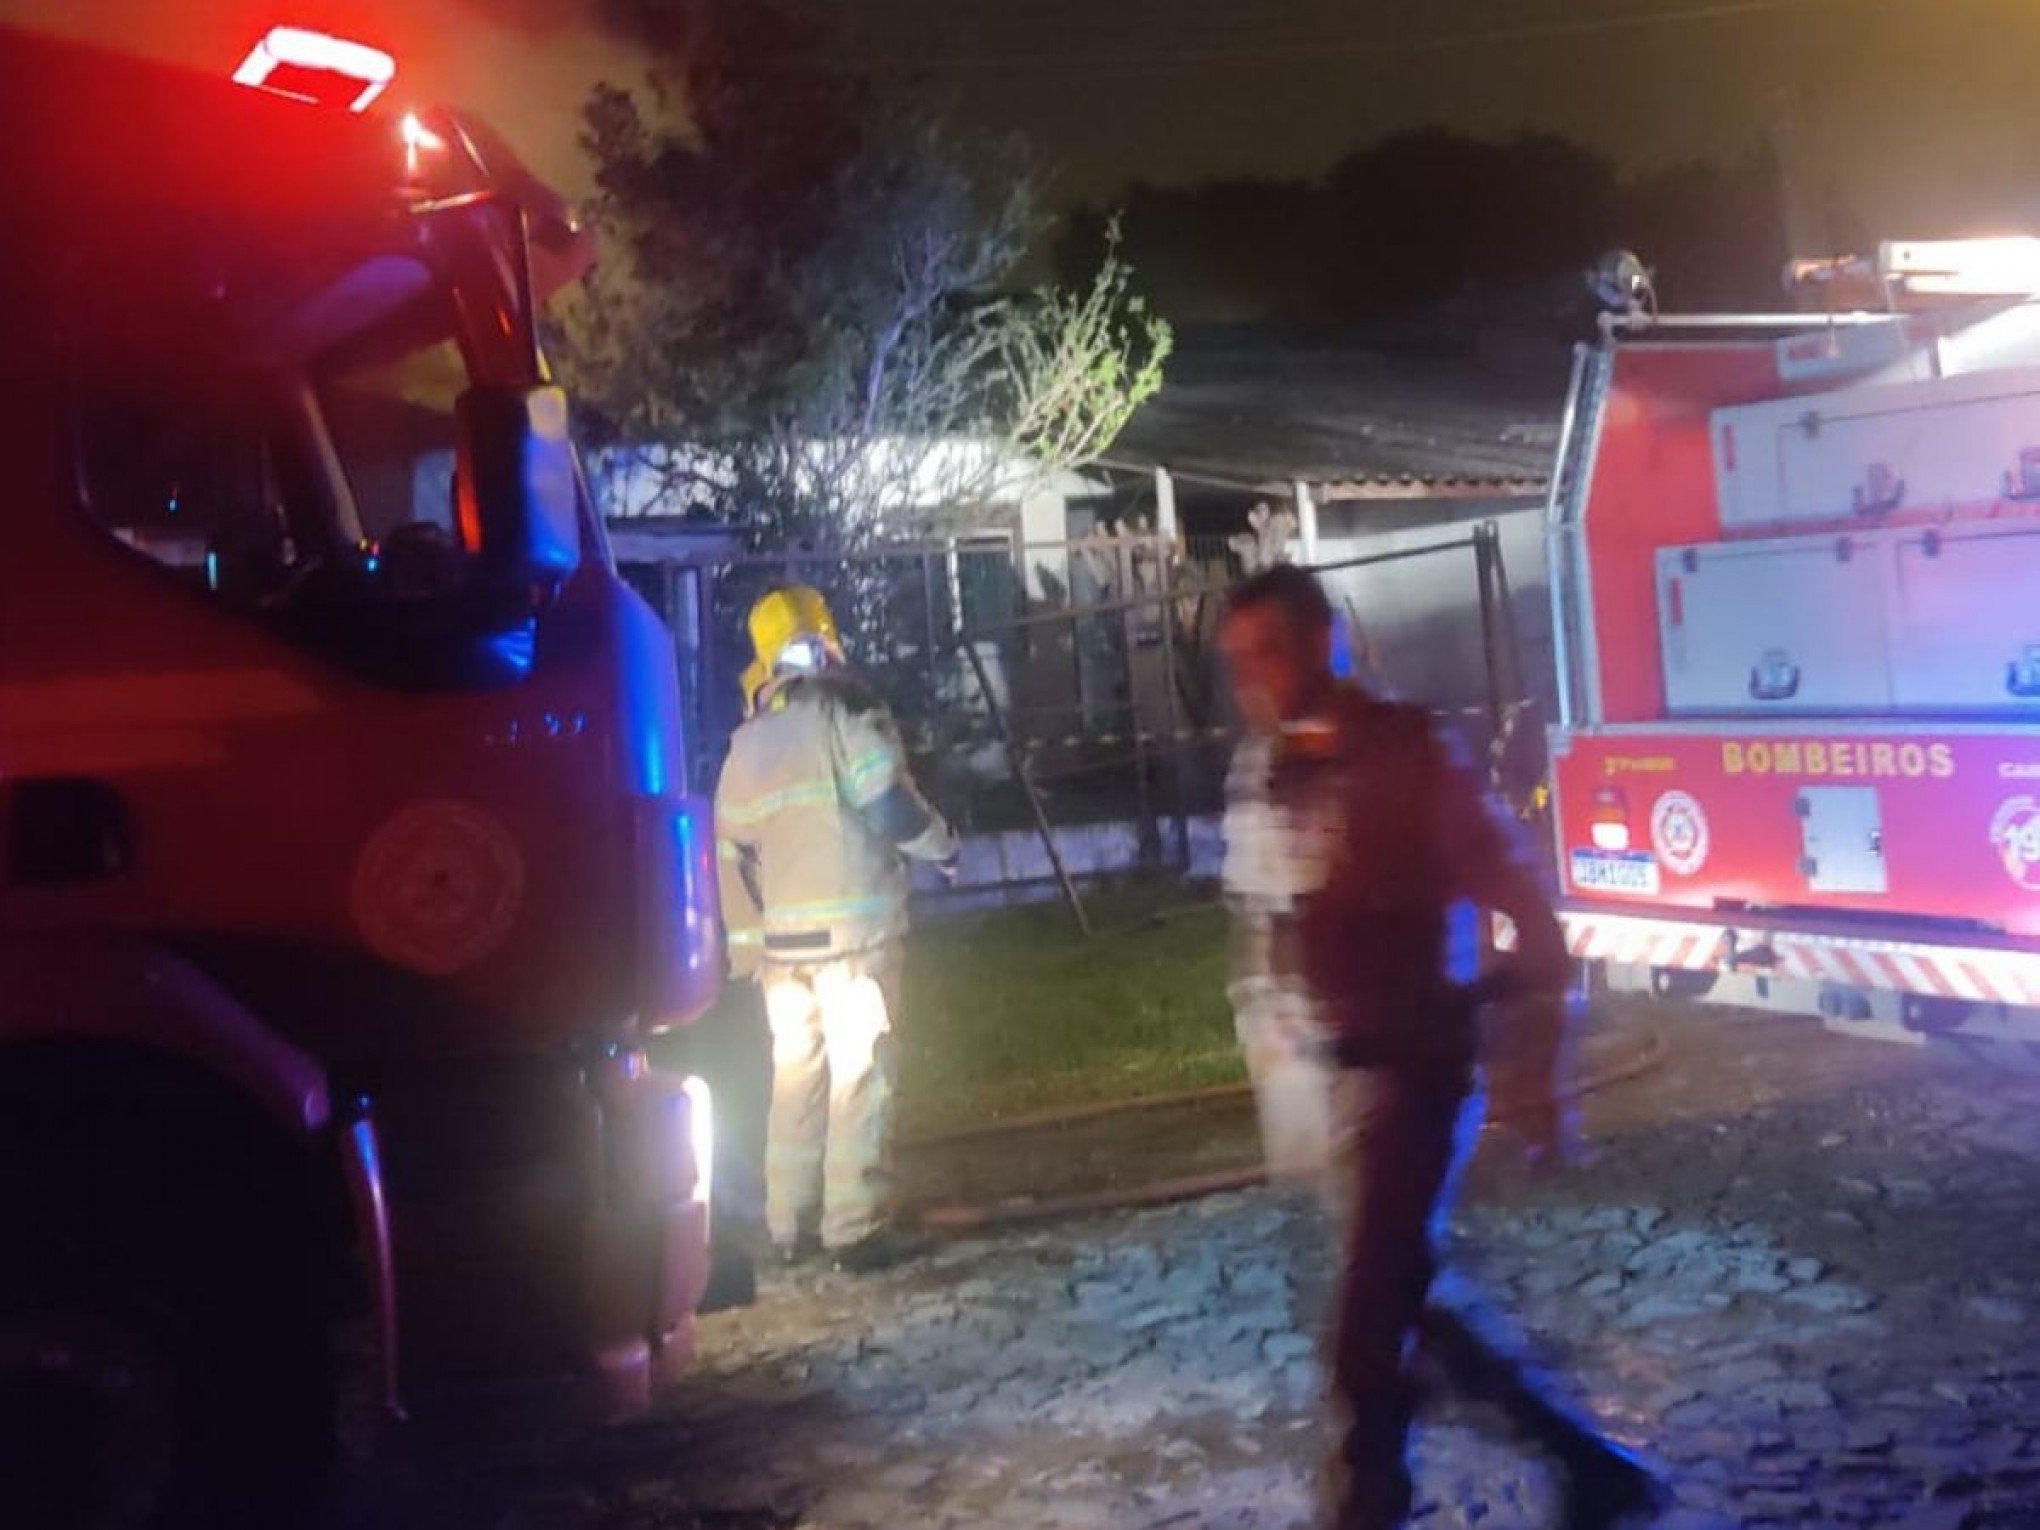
(1923, 115)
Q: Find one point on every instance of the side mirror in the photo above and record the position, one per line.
(516, 495)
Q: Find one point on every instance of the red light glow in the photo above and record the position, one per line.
(419, 140)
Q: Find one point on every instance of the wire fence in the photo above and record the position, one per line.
(1057, 689)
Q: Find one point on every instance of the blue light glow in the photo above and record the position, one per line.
(644, 680)
(1342, 648)
(367, 1150)
(1463, 941)
(517, 648)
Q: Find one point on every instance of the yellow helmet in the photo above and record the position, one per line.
(779, 619)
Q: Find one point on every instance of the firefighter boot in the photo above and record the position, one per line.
(804, 1249)
(874, 1252)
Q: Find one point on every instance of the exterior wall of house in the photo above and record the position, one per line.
(1420, 617)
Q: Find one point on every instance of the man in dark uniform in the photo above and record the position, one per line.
(1407, 832)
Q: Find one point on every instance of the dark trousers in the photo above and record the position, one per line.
(1402, 1128)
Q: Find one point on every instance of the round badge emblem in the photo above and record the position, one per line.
(438, 887)
(2015, 835)
(1678, 832)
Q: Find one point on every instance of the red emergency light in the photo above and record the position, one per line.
(1610, 828)
(310, 66)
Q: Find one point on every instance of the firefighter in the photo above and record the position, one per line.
(1362, 831)
(816, 817)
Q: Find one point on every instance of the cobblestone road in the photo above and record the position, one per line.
(1804, 1272)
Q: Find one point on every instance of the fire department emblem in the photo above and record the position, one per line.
(1678, 832)
(2015, 834)
(438, 887)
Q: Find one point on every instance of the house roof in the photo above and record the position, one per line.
(1402, 487)
(1260, 415)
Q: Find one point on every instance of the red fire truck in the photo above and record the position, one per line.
(344, 860)
(1795, 568)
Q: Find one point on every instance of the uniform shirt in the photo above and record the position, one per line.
(815, 812)
(1354, 869)
(1279, 841)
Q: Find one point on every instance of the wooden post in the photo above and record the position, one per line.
(1165, 505)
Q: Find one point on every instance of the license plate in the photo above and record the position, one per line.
(1616, 871)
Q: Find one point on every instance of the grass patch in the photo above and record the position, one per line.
(1014, 1011)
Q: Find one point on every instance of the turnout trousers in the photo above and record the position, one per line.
(828, 1149)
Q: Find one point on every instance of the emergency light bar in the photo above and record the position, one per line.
(1927, 268)
(294, 62)
(1963, 267)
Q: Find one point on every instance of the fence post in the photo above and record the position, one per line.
(1522, 704)
(1306, 521)
(953, 569)
(1179, 746)
(705, 706)
(930, 647)
(1484, 540)
(1165, 505)
(1129, 642)
(1512, 631)
(1079, 670)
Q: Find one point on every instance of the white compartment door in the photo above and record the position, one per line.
(1842, 837)
(1957, 443)
(1966, 620)
(1780, 628)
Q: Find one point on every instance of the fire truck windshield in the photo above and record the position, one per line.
(316, 496)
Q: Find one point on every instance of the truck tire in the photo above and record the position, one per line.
(732, 1277)
(165, 1347)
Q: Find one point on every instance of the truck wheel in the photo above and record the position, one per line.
(165, 1358)
(1679, 985)
(732, 1277)
(1926, 1015)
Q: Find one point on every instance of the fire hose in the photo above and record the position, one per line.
(959, 1217)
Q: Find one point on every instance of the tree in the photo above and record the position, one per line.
(1075, 363)
(1714, 232)
(801, 325)
(1436, 234)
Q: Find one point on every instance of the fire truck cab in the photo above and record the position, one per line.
(344, 859)
(1794, 561)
